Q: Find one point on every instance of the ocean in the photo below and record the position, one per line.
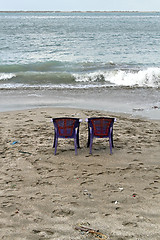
(94, 60)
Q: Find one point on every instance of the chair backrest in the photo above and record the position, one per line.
(65, 127)
(101, 126)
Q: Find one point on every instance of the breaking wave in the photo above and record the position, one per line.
(6, 76)
(78, 75)
(132, 78)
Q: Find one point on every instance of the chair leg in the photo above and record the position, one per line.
(78, 138)
(112, 139)
(90, 145)
(75, 145)
(54, 140)
(56, 143)
(110, 144)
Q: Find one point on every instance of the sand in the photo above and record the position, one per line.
(43, 196)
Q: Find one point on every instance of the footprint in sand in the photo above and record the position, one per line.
(129, 224)
(62, 213)
(43, 233)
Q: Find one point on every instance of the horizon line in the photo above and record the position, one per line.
(77, 11)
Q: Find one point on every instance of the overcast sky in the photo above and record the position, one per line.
(81, 5)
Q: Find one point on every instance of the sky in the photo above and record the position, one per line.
(80, 5)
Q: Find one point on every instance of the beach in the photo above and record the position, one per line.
(43, 196)
(79, 64)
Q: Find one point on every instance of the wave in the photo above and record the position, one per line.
(82, 75)
(56, 66)
(37, 66)
(77, 15)
(143, 78)
(6, 76)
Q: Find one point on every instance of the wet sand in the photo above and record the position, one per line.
(43, 196)
(136, 102)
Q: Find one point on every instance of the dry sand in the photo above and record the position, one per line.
(43, 196)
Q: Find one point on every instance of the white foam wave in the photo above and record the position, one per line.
(56, 86)
(6, 76)
(143, 78)
(90, 77)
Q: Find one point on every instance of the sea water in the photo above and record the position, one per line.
(100, 60)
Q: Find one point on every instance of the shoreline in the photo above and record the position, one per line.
(108, 113)
(133, 103)
(47, 196)
(136, 115)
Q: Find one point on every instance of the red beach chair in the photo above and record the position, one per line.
(66, 128)
(101, 127)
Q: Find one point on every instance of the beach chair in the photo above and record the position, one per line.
(101, 127)
(66, 128)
